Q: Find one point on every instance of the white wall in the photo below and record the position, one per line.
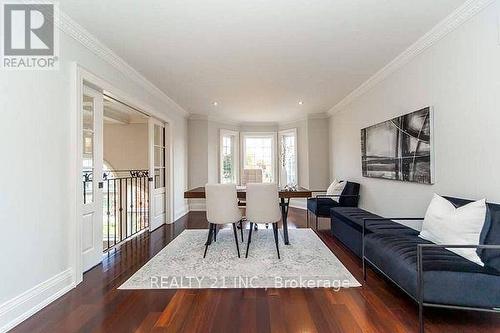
(126, 146)
(459, 77)
(198, 152)
(35, 189)
(318, 147)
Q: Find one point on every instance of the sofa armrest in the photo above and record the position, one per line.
(420, 266)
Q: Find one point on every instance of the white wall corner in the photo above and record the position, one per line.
(461, 15)
(23, 306)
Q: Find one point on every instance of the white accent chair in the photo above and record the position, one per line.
(263, 207)
(222, 208)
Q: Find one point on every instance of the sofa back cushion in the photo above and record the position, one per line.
(351, 188)
(490, 235)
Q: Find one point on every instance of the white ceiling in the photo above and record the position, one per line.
(118, 113)
(258, 58)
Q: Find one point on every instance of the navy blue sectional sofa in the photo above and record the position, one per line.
(427, 272)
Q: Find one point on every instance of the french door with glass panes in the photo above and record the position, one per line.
(158, 169)
(92, 158)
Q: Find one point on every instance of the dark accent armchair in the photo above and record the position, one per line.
(321, 204)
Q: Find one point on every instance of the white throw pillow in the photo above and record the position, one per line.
(336, 188)
(330, 189)
(445, 224)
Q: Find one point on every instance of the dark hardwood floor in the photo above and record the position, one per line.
(97, 306)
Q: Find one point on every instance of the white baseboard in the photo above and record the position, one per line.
(197, 206)
(181, 213)
(21, 307)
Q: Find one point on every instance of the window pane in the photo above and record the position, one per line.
(88, 148)
(159, 135)
(88, 113)
(159, 178)
(159, 157)
(289, 158)
(258, 155)
(228, 165)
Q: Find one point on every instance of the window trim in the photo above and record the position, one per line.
(274, 151)
(281, 134)
(236, 153)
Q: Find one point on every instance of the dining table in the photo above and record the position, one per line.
(284, 195)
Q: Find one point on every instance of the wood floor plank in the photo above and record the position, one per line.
(96, 305)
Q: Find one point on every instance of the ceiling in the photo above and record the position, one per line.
(115, 112)
(257, 59)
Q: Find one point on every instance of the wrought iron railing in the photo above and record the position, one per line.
(125, 204)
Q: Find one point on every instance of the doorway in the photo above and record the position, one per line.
(159, 170)
(124, 163)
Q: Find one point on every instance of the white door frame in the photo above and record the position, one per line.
(168, 188)
(81, 76)
(92, 255)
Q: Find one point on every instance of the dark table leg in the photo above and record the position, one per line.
(284, 215)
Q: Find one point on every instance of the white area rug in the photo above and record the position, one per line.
(306, 263)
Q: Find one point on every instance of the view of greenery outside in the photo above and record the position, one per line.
(228, 175)
(288, 158)
(227, 169)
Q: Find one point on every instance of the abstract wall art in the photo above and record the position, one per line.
(400, 148)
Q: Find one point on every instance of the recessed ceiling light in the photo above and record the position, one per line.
(215, 103)
(300, 102)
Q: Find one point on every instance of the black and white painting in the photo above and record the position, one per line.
(400, 148)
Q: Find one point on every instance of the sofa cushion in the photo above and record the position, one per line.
(351, 215)
(490, 235)
(467, 284)
(321, 206)
(354, 217)
(351, 189)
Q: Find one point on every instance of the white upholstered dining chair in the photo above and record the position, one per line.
(222, 208)
(249, 176)
(263, 207)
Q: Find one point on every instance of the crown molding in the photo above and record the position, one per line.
(461, 15)
(74, 30)
(320, 115)
(197, 116)
(228, 122)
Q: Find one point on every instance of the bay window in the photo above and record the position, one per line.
(274, 153)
